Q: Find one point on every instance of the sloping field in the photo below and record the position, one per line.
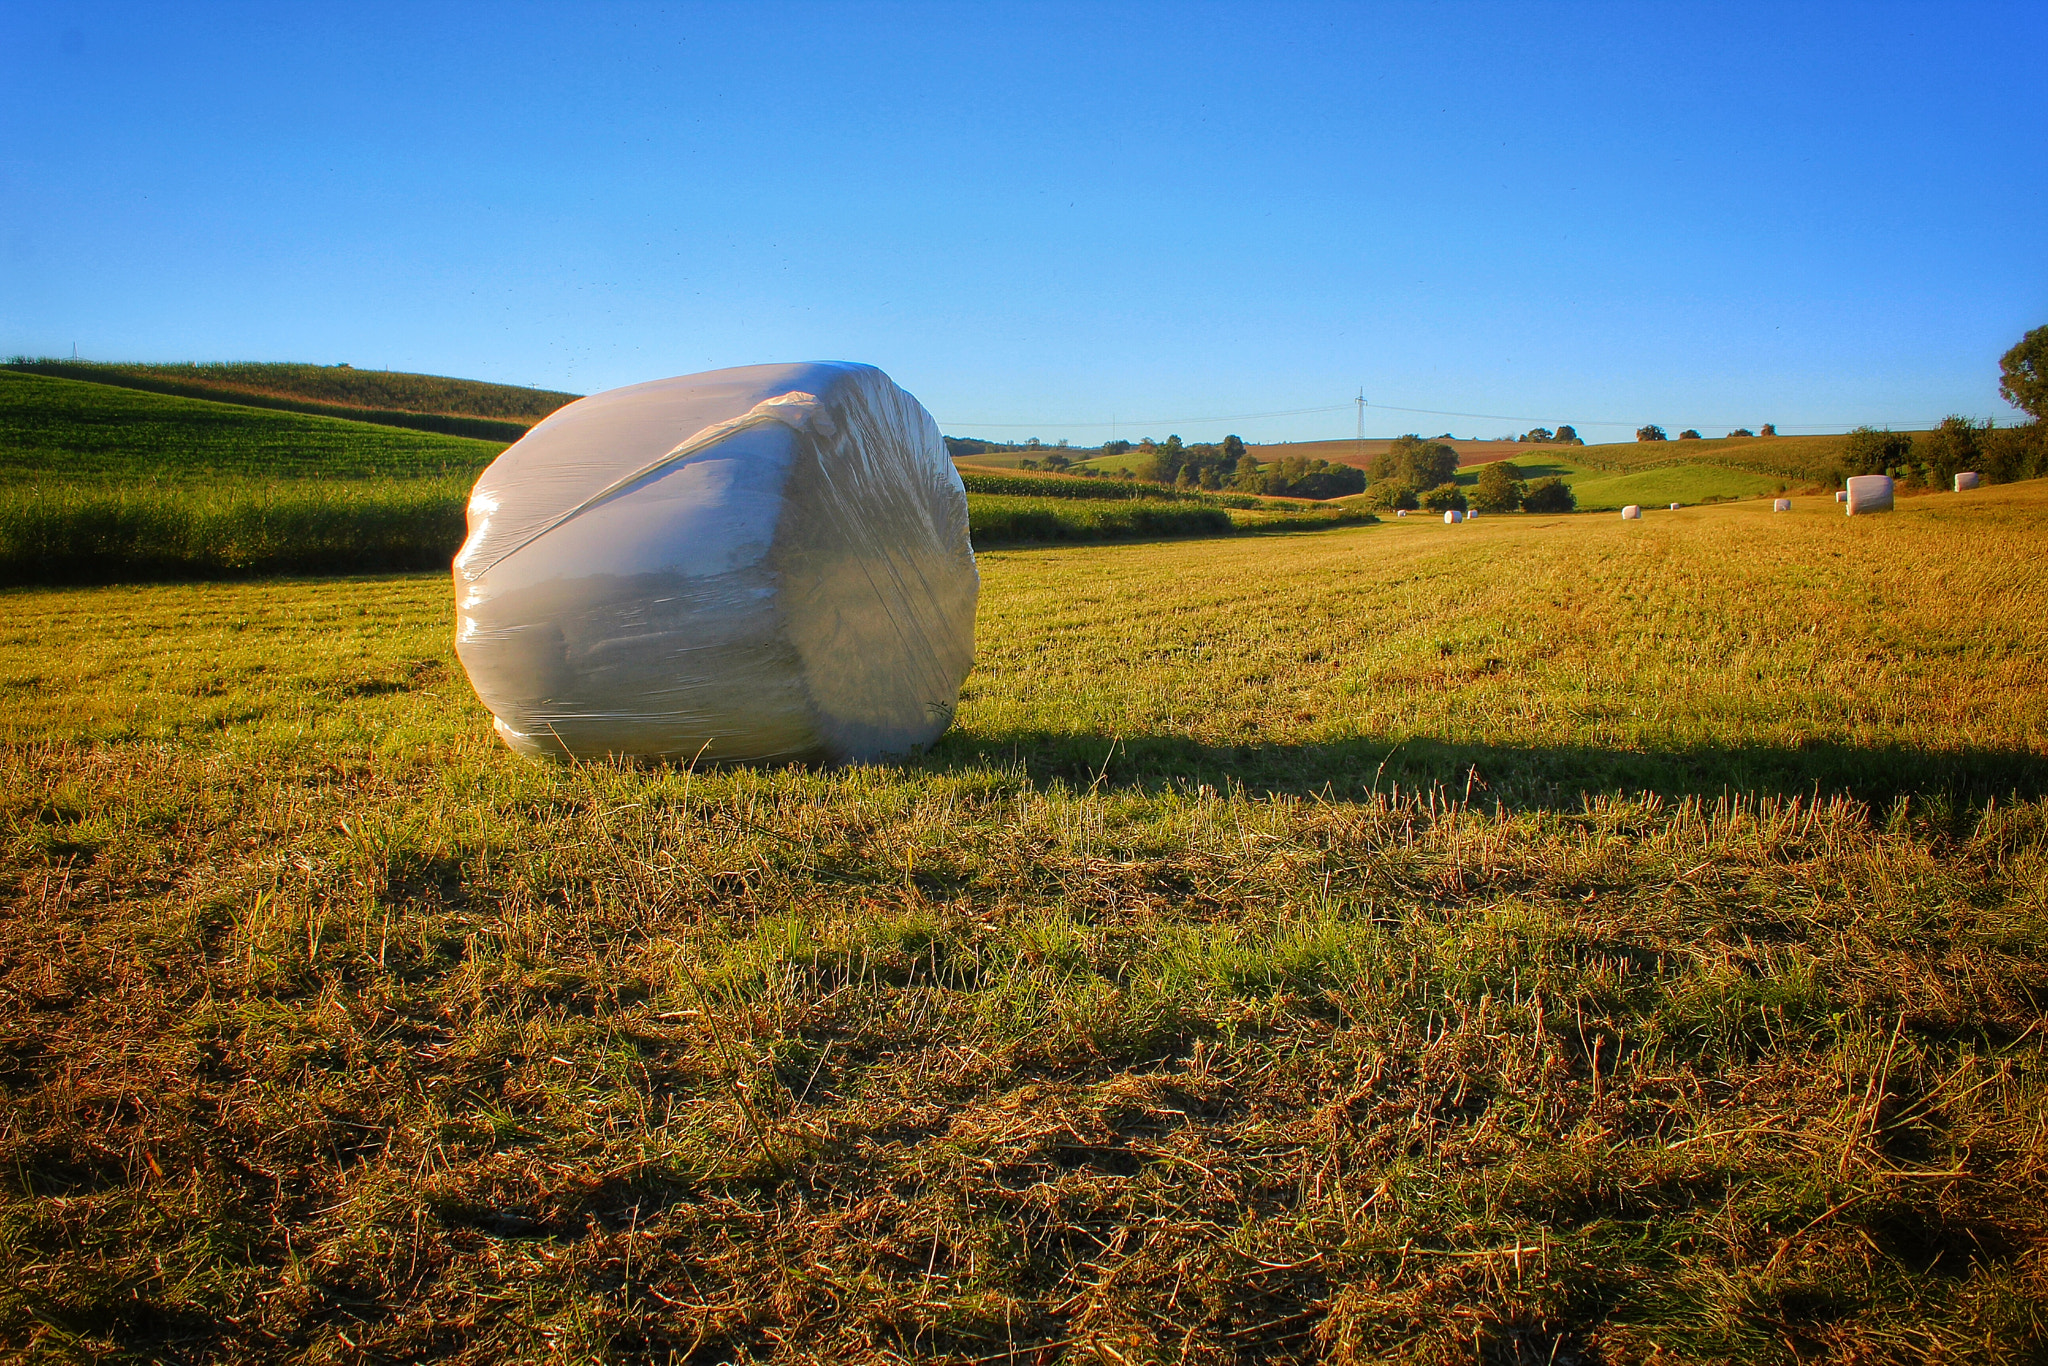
(328, 385)
(1542, 940)
(1804, 459)
(62, 429)
(1602, 490)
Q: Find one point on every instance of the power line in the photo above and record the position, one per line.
(1049, 424)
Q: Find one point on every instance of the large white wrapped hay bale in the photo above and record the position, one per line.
(1781, 504)
(1401, 512)
(1632, 513)
(1452, 516)
(1674, 507)
(1869, 493)
(1967, 479)
(767, 563)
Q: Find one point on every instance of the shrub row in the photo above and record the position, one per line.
(1915, 459)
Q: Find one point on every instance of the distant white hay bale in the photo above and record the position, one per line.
(1781, 504)
(1453, 517)
(1632, 513)
(1403, 512)
(1841, 495)
(1967, 479)
(1470, 513)
(1676, 506)
(1869, 493)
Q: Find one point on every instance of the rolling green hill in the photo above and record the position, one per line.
(66, 429)
(1604, 489)
(434, 403)
(339, 385)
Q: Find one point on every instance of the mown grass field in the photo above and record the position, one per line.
(1543, 940)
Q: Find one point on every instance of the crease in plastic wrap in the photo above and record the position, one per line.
(754, 565)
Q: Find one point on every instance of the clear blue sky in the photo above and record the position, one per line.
(1056, 215)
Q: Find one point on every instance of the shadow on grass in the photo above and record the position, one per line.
(1514, 775)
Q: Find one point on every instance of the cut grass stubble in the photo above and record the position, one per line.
(1235, 981)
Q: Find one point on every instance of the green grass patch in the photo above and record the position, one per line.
(1603, 489)
(1687, 484)
(68, 430)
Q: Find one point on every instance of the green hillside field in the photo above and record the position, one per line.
(1602, 490)
(1547, 939)
(71, 430)
(385, 396)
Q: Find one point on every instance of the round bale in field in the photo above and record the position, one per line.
(1452, 517)
(1401, 512)
(1632, 513)
(1868, 493)
(1781, 504)
(1967, 479)
(1841, 495)
(1675, 507)
(762, 564)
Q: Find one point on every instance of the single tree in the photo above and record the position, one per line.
(2023, 374)
(1550, 495)
(1768, 429)
(1233, 448)
(1444, 497)
(1568, 436)
(1536, 435)
(1689, 434)
(1414, 461)
(1871, 450)
(1499, 488)
(1742, 431)
(1650, 433)
(1957, 444)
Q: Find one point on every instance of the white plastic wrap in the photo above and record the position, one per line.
(1967, 479)
(1452, 517)
(1781, 504)
(1632, 513)
(1869, 493)
(762, 564)
(1841, 495)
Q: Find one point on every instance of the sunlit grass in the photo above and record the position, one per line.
(1550, 938)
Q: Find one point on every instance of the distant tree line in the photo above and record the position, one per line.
(1228, 465)
(1543, 436)
(1652, 432)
